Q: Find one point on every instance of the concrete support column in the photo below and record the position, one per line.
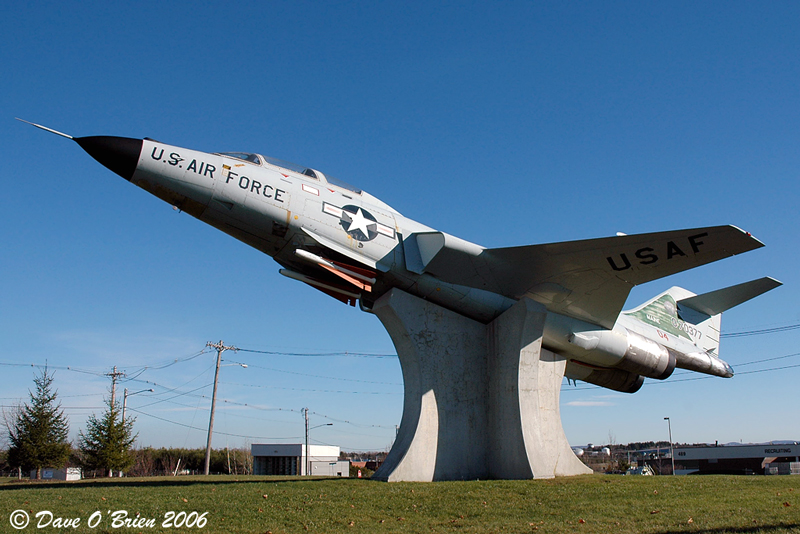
(481, 401)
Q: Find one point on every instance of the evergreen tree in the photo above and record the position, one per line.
(107, 442)
(38, 434)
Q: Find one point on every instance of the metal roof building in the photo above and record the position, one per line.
(739, 459)
(291, 459)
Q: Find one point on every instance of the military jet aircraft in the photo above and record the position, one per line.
(352, 246)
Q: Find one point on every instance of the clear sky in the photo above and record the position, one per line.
(504, 123)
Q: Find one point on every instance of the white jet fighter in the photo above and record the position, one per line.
(345, 242)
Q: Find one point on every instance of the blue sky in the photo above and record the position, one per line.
(503, 123)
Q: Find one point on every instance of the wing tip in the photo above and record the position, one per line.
(757, 243)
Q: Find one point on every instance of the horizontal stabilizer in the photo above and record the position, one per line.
(718, 301)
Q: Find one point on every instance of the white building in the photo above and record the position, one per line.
(67, 473)
(291, 459)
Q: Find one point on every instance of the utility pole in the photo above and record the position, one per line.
(220, 349)
(114, 376)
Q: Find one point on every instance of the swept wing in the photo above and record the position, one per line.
(588, 279)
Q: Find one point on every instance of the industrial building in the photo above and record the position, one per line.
(765, 459)
(291, 459)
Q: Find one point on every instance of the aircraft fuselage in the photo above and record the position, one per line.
(354, 247)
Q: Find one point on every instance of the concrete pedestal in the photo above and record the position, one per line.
(481, 401)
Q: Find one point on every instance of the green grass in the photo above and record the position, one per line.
(594, 503)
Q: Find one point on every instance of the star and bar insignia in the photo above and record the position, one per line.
(358, 222)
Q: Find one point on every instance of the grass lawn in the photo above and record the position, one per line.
(244, 504)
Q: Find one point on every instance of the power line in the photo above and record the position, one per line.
(178, 395)
(232, 414)
(704, 377)
(261, 408)
(325, 377)
(140, 370)
(349, 422)
(765, 370)
(190, 393)
(775, 330)
(169, 363)
(168, 389)
(737, 365)
(61, 407)
(121, 377)
(264, 386)
(322, 354)
(57, 367)
(205, 429)
(768, 360)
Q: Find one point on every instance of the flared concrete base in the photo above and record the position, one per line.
(481, 401)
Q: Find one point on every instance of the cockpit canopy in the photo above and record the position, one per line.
(252, 158)
(299, 169)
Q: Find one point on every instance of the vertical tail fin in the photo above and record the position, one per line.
(689, 325)
(672, 322)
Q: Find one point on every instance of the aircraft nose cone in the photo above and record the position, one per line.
(120, 154)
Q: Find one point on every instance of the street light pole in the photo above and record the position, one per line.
(125, 400)
(307, 460)
(671, 450)
(124, 406)
(220, 349)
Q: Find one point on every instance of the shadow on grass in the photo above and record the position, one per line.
(157, 482)
(782, 527)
